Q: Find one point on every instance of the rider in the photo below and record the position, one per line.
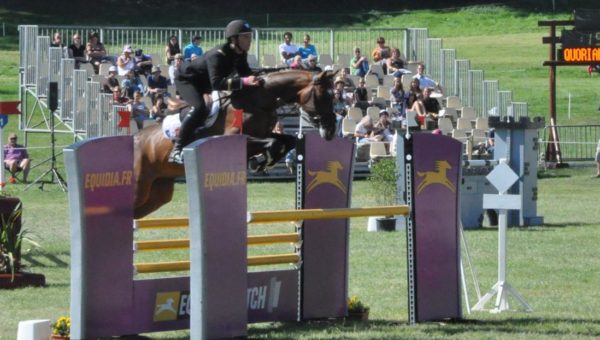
(223, 68)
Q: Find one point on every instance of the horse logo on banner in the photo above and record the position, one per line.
(438, 176)
(330, 176)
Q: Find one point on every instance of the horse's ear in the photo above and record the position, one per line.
(325, 75)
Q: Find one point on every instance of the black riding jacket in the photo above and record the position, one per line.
(220, 69)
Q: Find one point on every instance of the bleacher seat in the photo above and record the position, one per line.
(325, 60)
(373, 112)
(468, 112)
(343, 60)
(463, 124)
(378, 150)
(481, 123)
(348, 127)
(445, 124)
(103, 70)
(269, 60)
(355, 113)
(453, 102)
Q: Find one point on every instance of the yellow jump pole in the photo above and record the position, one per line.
(260, 260)
(185, 243)
(159, 223)
(258, 217)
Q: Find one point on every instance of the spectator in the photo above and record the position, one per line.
(56, 40)
(193, 57)
(311, 64)
(157, 84)
(193, 48)
(125, 61)
(307, 49)
(340, 84)
(157, 111)
(96, 53)
(363, 129)
(359, 65)
(110, 84)
(173, 69)
(288, 50)
(425, 81)
(296, 63)
(415, 103)
(361, 95)
(16, 158)
(172, 49)
(381, 53)
(415, 87)
(381, 129)
(131, 84)
(143, 63)
(77, 50)
(432, 106)
(398, 97)
(348, 83)
(395, 65)
(139, 110)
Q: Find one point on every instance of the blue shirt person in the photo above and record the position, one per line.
(193, 48)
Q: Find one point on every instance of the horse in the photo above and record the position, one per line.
(155, 176)
(436, 177)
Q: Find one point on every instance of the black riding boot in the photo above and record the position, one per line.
(186, 134)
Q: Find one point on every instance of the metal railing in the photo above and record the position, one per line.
(577, 142)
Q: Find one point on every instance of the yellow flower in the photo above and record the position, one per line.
(62, 326)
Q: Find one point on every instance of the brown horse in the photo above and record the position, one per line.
(155, 176)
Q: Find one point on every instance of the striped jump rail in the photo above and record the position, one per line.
(185, 243)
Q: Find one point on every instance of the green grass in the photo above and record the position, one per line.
(550, 265)
(553, 266)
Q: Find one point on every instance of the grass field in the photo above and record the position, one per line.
(553, 266)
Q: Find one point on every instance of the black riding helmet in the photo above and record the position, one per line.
(237, 27)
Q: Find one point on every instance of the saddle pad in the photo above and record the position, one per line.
(172, 123)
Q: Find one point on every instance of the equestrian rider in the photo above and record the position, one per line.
(223, 68)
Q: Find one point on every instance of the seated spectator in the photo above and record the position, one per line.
(415, 87)
(193, 48)
(296, 63)
(307, 49)
(287, 49)
(398, 97)
(143, 63)
(172, 49)
(56, 40)
(16, 158)
(340, 85)
(432, 106)
(382, 128)
(139, 110)
(157, 84)
(194, 57)
(381, 53)
(157, 111)
(125, 61)
(77, 50)
(311, 64)
(415, 103)
(348, 83)
(361, 95)
(395, 65)
(130, 84)
(95, 51)
(359, 65)
(425, 81)
(363, 129)
(173, 69)
(110, 84)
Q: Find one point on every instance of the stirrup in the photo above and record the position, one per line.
(257, 163)
(176, 156)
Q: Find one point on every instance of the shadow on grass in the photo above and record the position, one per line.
(535, 326)
(46, 260)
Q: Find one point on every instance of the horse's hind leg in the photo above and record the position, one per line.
(161, 192)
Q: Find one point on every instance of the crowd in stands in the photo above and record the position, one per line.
(133, 76)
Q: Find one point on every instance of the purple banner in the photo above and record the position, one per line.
(272, 296)
(436, 161)
(327, 179)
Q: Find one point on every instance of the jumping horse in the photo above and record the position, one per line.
(155, 176)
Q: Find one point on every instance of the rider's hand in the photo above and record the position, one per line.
(250, 81)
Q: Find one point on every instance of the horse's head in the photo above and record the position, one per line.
(317, 104)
